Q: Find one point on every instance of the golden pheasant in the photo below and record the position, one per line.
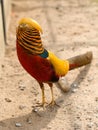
(40, 63)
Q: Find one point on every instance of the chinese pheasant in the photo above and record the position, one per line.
(40, 63)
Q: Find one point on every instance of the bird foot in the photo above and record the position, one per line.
(45, 104)
(52, 104)
(41, 105)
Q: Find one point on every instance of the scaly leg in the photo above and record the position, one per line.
(52, 103)
(43, 94)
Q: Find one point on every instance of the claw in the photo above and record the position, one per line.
(43, 104)
(53, 103)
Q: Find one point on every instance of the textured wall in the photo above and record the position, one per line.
(2, 47)
(7, 5)
(7, 10)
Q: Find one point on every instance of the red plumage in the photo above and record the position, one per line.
(38, 67)
(33, 57)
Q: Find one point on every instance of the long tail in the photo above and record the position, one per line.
(80, 60)
(74, 62)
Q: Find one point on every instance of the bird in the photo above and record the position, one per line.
(43, 65)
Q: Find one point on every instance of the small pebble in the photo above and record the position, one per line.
(96, 109)
(3, 66)
(22, 87)
(77, 126)
(89, 125)
(12, 115)
(49, 127)
(8, 100)
(35, 110)
(90, 79)
(74, 90)
(18, 124)
(96, 99)
(96, 124)
(21, 107)
(57, 7)
(29, 121)
(96, 115)
(74, 85)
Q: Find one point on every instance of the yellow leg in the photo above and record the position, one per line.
(52, 103)
(43, 94)
(52, 100)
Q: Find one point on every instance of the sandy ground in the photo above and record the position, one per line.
(70, 27)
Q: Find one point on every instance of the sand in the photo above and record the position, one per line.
(69, 28)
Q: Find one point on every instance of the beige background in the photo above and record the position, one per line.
(70, 28)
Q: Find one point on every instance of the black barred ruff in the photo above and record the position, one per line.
(30, 40)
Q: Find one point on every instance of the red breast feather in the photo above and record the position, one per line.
(38, 67)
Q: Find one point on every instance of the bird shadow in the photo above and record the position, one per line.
(35, 120)
(39, 119)
(80, 77)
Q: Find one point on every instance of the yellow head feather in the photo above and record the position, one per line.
(31, 23)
